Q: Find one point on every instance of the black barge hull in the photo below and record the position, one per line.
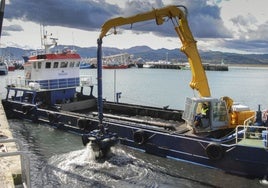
(167, 139)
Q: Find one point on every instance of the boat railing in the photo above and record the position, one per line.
(23, 83)
(46, 51)
(250, 120)
(24, 162)
(86, 80)
(251, 135)
(37, 52)
(16, 82)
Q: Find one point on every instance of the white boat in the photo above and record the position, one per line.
(3, 68)
(148, 65)
(51, 79)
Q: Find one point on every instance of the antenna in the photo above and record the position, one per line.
(44, 38)
(41, 34)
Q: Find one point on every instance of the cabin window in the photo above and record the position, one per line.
(63, 64)
(34, 65)
(77, 64)
(48, 65)
(39, 64)
(219, 111)
(71, 64)
(56, 64)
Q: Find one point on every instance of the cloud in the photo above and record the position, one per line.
(133, 7)
(5, 33)
(250, 35)
(243, 21)
(13, 28)
(80, 14)
(204, 19)
(244, 24)
(261, 33)
(243, 46)
(248, 28)
(7, 29)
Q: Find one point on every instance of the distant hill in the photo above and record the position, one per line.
(149, 54)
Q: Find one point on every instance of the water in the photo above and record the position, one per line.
(58, 159)
(161, 87)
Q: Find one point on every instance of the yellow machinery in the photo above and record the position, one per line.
(222, 114)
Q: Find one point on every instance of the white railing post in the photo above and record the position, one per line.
(23, 155)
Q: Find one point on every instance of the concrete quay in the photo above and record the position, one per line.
(207, 66)
(10, 156)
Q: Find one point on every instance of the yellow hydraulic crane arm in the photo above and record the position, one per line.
(178, 13)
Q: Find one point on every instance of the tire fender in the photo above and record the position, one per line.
(139, 137)
(214, 151)
(53, 118)
(82, 123)
(26, 109)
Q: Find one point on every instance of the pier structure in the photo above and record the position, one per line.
(207, 67)
(215, 67)
(14, 163)
(166, 66)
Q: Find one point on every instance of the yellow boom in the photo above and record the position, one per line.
(178, 15)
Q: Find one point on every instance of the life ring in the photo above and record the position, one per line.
(214, 151)
(85, 124)
(26, 109)
(82, 123)
(30, 111)
(139, 137)
(52, 118)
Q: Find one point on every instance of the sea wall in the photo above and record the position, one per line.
(10, 171)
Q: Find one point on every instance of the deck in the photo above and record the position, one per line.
(253, 136)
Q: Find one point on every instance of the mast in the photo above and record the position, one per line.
(44, 40)
(99, 75)
(2, 8)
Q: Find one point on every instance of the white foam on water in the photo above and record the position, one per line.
(120, 168)
(89, 154)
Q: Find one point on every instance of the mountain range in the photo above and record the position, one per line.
(149, 54)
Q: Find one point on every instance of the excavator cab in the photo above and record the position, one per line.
(216, 115)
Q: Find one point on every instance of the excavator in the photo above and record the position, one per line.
(223, 114)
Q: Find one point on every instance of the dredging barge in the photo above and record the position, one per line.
(224, 138)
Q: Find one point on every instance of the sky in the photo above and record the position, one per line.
(238, 26)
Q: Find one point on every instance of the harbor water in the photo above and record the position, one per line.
(58, 159)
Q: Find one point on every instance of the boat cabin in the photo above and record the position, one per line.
(217, 113)
(219, 116)
(50, 78)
